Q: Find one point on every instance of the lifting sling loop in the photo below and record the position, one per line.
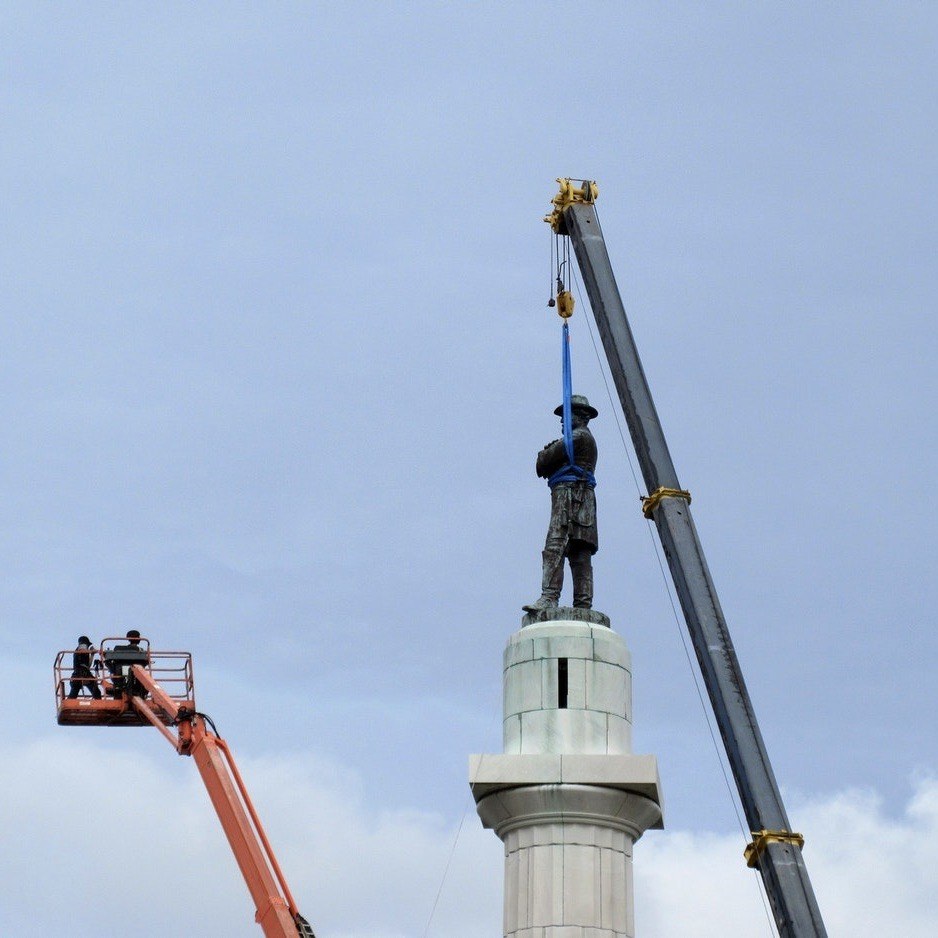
(571, 472)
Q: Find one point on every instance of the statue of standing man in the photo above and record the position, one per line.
(572, 532)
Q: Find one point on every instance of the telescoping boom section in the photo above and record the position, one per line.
(131, 685)
(775, 850)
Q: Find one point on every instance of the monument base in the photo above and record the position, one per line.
(567, 797)
(565, 614)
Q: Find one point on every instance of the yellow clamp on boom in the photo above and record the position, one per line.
(761, 840)
(650, 502)
(587, 192)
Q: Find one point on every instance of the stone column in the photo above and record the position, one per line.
(567, 797)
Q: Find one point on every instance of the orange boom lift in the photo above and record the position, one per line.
(138, 687)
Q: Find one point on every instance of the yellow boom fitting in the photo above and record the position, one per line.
(650, 502)
(761, 840)
(587, 191)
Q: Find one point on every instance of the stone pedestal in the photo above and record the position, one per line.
(567, 797)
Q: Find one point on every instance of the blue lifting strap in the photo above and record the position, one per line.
(571, 472)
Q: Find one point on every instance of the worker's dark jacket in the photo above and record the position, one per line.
(81, 659)
(572, 504)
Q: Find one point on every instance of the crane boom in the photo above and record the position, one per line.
(775, 850)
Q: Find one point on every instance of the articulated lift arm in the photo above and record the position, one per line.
(276, 911)
(775, 850)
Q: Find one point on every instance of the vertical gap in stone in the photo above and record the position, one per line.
(562, 683)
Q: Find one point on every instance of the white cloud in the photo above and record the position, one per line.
(103, 839)
(99, 839)
(873, 874)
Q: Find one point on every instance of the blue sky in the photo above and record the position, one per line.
(275, 361)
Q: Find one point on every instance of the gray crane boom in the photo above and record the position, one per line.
(775, 850)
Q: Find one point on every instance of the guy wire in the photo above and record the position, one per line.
(452, 851)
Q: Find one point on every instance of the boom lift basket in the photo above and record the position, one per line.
(110, 669)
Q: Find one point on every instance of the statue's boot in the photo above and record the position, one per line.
(545, 602)
(551, 582)
(581, 569)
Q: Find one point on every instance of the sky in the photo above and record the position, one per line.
(275, 362)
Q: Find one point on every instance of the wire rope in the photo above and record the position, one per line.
(459, 827)
(449, 860)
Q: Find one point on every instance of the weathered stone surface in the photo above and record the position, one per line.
(632, 772)
(589, 712)
(568, 855)
(567, 797)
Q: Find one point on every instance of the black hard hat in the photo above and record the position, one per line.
(84, 640)
(581, 403)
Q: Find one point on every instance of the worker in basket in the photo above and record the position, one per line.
(120, 659)
(82, 675)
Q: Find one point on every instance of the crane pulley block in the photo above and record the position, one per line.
(565, 304)
(586, 193)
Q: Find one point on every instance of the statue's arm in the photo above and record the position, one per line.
(584, 448)
(550, 459)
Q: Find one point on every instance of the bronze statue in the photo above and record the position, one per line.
(572, 531)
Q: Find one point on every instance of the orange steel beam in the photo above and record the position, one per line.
(156, 692)
(256, 821)
(273, 913)
(146, 711)
(276, 911)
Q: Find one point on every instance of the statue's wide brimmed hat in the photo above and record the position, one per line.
(579, 402)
